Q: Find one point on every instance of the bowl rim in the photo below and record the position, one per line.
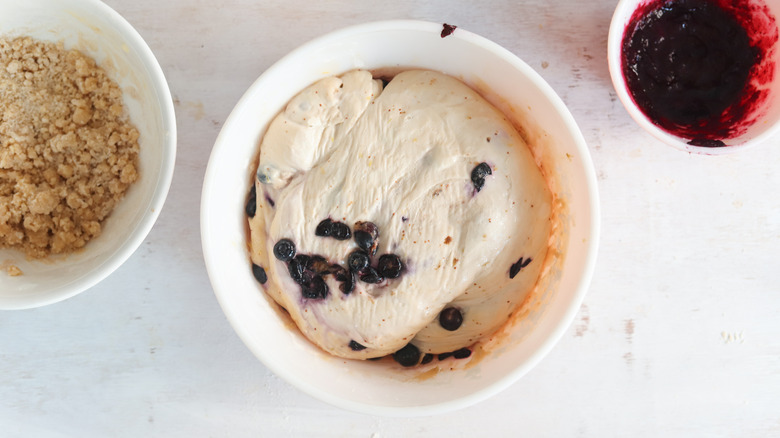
(560, 326)
(617, 26)
(165, 175)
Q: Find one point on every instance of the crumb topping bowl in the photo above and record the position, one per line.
(384, 387)
(140, 154)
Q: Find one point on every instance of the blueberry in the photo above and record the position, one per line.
(323, 228)
(427, 358)
(363, 240)
(339, 273)
(517, 266)
(366, 236)
(348, 284)
(297, 270)
(443, 356)
(318, 264)
(390, 266)
(450, 319)
(355, 346)
(462, 353)
(347, 278)
(478, 175)
(408, 356)
(370, 275)
(358, 260)
(251, 202)
(259, 273)
(340, 231)
(315, 289)
(303, 260)
(284, 250)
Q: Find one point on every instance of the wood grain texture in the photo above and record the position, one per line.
(678, 336)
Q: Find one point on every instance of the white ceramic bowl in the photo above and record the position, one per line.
(97, 30)
(764, 127)
(378, 387)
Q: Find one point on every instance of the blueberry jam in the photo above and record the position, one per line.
(695, 67)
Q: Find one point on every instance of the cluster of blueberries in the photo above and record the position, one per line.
(410, 355)
(309, 270)
(450, 319)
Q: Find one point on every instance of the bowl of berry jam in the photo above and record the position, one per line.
(699, 75)
(318, 238)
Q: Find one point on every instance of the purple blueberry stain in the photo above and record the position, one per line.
(269, 199)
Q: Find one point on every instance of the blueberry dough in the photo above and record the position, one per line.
(403, 158)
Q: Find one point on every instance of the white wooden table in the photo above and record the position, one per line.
(679, 334)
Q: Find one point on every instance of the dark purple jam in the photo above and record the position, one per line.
(693, 66)
(447, 30)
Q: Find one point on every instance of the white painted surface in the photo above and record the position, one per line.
(679, 334)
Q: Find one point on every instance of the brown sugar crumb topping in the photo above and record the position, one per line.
(68, 152)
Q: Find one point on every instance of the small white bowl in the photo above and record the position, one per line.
(97, 30)
(382, 387)
(765, 126)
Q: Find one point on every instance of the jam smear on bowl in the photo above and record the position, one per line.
(699, 68)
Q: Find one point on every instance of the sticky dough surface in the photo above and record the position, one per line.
(401, 157)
